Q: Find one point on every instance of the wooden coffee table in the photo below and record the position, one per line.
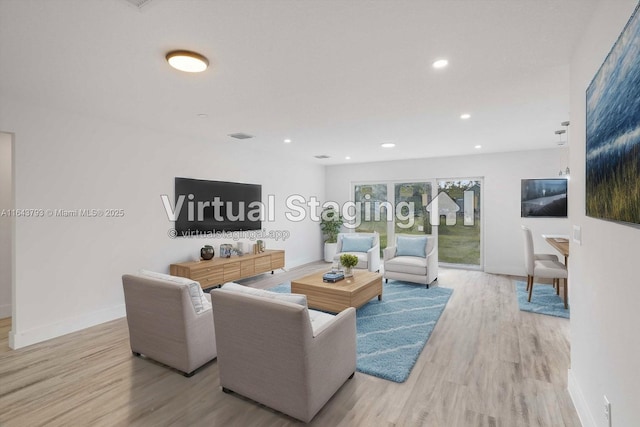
(354, 291)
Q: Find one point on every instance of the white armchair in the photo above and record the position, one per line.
(366, 246)
(276, 351)
(414, 258)
(170, 320)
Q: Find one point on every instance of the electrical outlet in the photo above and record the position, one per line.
(607, 411)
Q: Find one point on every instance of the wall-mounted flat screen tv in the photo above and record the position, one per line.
(215, 206)
(543, 198)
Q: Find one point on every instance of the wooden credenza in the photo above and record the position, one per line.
(221, 270)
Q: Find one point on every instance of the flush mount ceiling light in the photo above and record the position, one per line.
(465, 116)
(440, 63)
(388, 145)
(187, 61)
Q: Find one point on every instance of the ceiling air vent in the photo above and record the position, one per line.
(240, 135)
(321, 156)
(138, 3)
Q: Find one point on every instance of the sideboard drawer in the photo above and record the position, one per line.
(202, 273)
(247, 267)
(277, 261)
(263, 264)
(210, 280)
(231, 271)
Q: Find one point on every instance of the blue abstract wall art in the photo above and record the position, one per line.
(613, 131)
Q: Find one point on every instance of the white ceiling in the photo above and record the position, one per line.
(337, 77)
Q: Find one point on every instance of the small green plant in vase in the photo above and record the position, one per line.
(348, 261)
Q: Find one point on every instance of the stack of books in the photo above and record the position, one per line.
(332, 276)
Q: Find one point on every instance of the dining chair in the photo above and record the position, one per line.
(543, 266)
(549, 257)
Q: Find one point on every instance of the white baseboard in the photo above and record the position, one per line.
(19, 339)
(585, 415)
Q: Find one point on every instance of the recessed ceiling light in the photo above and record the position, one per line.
(440, 63)
(388, 145)
(287, 141)
(478, 147)
(465, 116)
(202, 116)
(187, 61)
(347, 158)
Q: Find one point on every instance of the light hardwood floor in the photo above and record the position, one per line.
(486, 364)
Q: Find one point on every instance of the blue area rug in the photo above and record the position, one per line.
(392, 333)
(543, 300)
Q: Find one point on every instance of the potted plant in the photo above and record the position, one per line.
(330, 223)
(348, 261)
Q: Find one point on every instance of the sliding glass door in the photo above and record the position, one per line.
(411, 200)
(452, 213)
(373, 210)
(458, 216)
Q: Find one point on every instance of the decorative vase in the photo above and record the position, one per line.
(348, 272)
(207, 252)
(225, 250)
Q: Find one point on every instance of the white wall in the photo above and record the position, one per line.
(5, 225)
(68, 270)
(604, 291)
(503, 241)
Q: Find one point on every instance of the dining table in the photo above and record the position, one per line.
(559, 243)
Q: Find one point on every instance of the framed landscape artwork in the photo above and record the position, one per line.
(613, 131)
(543, 198)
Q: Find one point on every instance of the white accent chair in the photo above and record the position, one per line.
(414, 258)
(366, 246)
(170, 320)
(543, 266)
(274, 350)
